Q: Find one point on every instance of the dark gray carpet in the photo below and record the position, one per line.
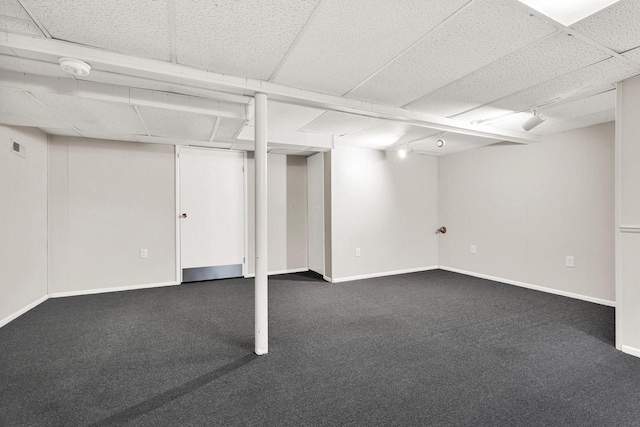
(433, 348)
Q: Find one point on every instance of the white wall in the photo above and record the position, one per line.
(23, 221)
(286, 213)
(386, 206)
(108, 200)
(628, 217)
(315, 210)
(526, 207)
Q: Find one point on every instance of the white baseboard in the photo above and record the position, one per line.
(530, 286)
(274, 273)
(630, 350)
(23, 310)
(328, 279)
(384, 273)
(117, 289)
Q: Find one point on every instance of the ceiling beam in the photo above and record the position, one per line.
(113, 93)
(162, 70)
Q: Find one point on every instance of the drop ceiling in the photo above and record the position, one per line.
(467, 61)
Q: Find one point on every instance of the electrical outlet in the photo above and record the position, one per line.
(570, 262)
(357, 251)
(144, 253)
(473, 249)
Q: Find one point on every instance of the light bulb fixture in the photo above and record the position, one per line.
(534, 121)
(75, 67)
(440, 143)
(405, 152)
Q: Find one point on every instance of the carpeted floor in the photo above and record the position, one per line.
(433, 348)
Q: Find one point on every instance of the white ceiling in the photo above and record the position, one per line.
(470, 60)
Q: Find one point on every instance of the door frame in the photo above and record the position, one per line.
(178, 211)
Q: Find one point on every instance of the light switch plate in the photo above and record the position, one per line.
(144, 253)
(473, 249)
(570, 262)
(357, 251)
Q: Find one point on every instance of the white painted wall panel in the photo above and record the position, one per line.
(628, 204)
(286, 210)
(23, 220)
(315, 210)
(386, 206)
(108, 200)
(526, 207)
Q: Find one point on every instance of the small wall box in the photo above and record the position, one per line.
(18, 148)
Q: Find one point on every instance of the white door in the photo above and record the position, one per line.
(315, 212)
(212, 213)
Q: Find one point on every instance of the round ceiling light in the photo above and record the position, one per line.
(440, 143)
(75, 67)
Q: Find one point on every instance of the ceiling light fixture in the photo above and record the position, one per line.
(405, 152)
(75, 67)
(568, 12)
(534, 121)
(440, 143)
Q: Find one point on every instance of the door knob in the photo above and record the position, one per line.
(184, 215)
(442, 230)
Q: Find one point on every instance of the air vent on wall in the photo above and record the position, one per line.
(18, 149)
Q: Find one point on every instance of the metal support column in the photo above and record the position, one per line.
(261, 280)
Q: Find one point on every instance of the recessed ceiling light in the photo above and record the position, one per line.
(75, 66)
(568, 12)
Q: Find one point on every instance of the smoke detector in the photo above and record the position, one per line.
(75, 67)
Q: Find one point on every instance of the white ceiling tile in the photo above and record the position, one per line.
(290, 117)
(59, 131)
(180, 141)
(290, 151)
(228, 128)
(30, 66)
(578, 84)
(373, 31)
(13, 9)
(335, 123)
(615, 27)
(6, 51)
(484, 32)
(634, 55)
(241, 38)
(599, 76)
(19, 109)
(384, 133)
(93, 115)
(11, 25)
(108, 136)
(244, 146)
(177, 124)
(579, 122)
(538, 63)
(139, 28)
(582, 107)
